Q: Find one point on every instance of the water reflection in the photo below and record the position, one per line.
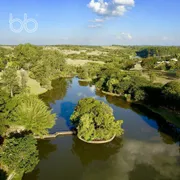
(88, 153)
(136, 160)
(45, 147)
(170, 133)
(118, 102)
(33, 176)
(159, 157)
(83, 83)
(67, 108)
(121, 159)
(60, 87)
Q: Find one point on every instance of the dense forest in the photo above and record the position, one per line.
(117, 75)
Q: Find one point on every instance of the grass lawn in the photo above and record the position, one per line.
(35, 87)
(79, 62)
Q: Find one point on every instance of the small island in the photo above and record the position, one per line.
(95, 122)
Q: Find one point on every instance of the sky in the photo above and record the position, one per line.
(90, 22)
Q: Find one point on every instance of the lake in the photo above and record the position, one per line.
(149, 149)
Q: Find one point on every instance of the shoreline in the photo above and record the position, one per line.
(164, 113)
(97, 142)
(85, 80)
(111, 94)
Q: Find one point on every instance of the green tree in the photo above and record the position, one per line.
(139, 95)
(24, 78)
(4, 98)
(152, 76)
(171, 88)
(171, 94)
(10, 80)
(149, 63)
(111, 84)
(95, 121)
(19, 155)
(2, 64)
(31, 113)
(49, 66)
(27, 55)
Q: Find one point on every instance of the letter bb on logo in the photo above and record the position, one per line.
(23, 24)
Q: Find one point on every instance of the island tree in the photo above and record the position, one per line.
(94, 120)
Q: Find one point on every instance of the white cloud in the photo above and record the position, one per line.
(112, 8)
(125, 2)
(92, 89)
(100, 7)
(98, 20)
(125, 36)
(64, 38)
(95, 26)
(165, 38)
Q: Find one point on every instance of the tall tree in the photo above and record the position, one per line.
(31, 113)
(10, 80)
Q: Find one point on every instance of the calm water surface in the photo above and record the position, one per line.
(149, 149)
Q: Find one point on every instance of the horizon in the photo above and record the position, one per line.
(111, 45)
(91, 22)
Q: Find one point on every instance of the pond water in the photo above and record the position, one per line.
(149, 149)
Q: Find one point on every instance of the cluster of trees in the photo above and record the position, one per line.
(91, 70)
(134, 87)
(44, 65)
(160, 58)
(166, 64)
(94, 120)
(24, 116)
(152, 51)
(88, 71)
(127, 84)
